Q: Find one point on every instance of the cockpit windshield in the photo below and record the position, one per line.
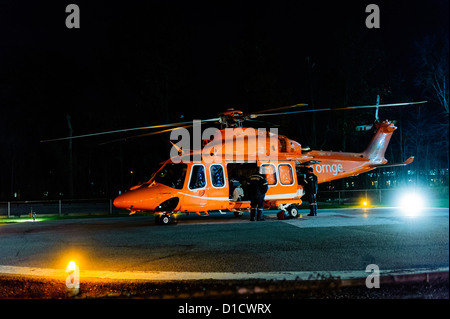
(172, 175)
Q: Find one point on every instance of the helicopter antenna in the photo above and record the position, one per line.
(376, 110)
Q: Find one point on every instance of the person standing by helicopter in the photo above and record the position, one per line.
(257, 186)
(311, 187)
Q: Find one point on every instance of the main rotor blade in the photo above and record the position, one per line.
(263, 122)
(146, 134)
(279, 108)
(124, 130)
(344, 108)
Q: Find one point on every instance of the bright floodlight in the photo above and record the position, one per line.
(411, 204)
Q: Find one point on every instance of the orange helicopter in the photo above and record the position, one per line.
(205, 179)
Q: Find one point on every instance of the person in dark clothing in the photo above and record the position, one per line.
(257, 187)
(311, 187)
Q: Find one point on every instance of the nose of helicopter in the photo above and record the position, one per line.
(133, 199)
(123, 201)
(144, 198)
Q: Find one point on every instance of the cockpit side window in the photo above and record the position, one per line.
(172, 175)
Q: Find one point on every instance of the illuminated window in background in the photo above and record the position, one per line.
(285, 173)
(268, 170)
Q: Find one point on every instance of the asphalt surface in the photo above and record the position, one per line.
(336, 240)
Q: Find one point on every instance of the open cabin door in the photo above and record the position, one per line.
(238, 174)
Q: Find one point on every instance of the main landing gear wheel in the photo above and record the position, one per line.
(293, 211)
(164, 219)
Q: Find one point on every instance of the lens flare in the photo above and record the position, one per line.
(71, 266)
(411, 204)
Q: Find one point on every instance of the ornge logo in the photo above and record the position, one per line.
(328, 168)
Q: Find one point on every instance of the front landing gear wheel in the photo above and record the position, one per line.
(164, 219)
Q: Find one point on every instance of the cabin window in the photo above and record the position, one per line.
(217, 175)
(268, 170)
(286, 174)
(198, 177)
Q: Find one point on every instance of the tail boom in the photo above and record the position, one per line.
(330, 166)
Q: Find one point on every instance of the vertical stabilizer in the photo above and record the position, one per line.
(377, 146)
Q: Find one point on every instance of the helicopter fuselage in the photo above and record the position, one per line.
(185, 186)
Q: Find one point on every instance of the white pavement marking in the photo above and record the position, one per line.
(359, 217)
(341, 221)
(176, 276)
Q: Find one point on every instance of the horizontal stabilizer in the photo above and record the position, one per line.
(363, 128)
(408, 161)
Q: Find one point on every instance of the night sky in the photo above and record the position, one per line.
(138, 63)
